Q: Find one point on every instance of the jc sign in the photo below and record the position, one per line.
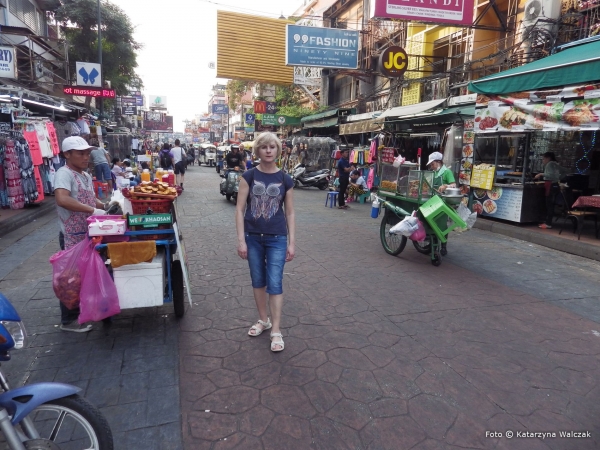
(393, 62)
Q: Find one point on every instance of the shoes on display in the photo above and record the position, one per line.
(75, 327)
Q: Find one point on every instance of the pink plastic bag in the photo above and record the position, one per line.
(99, 298)
(68, 267)
(420, 234)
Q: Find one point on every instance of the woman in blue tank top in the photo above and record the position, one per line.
(264, 219)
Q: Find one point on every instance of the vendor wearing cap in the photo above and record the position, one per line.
(75, 202)
(442, 178)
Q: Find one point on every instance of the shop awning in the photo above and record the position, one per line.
(364, 126)
(323, 123)
(322, 115)
(440, 116)
(576, 65)
(410, 110)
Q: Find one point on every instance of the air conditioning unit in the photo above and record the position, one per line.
(540, 14)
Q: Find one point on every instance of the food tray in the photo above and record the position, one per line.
(157, 206)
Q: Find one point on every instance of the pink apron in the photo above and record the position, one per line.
(76, 225)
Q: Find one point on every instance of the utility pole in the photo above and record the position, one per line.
(101, 106)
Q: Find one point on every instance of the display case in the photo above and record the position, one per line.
(420, 184)
(388, 178)
(403, 177)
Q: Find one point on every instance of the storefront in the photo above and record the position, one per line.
(32, 126)
(523, 113)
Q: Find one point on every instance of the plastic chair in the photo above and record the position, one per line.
(363, 197)
(436, 213)
(331, 198)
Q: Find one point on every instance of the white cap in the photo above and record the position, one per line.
(75, 143)
(435, 156)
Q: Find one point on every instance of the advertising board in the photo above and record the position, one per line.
(458, 12)
(321, 47)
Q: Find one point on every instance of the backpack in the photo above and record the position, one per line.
(165, 160)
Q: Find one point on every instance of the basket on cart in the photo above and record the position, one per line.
(141, 206)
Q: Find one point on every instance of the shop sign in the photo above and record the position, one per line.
(158, 101)
(250, 118)
(571, 108)
(129, 110)
(220, 109)
(249, 129)
(393, 62)
(89, 92)
(321, 47)
(88, 74)
(271, 108)
(128, 101)
(459, 12)
(364, 126)
(500, 203)
(150, 220)
(8, 63)
(139, 98)
(238, 129)
(260, 107)
(260, 127)
(482, 176)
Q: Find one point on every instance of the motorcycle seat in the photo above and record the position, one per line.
(315, 173)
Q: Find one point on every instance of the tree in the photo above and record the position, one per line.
(79, 23)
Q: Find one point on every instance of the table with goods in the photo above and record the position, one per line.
(143, 247)
(413, 210)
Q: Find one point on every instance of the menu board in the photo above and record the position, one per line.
(483, 176)
(500, 203)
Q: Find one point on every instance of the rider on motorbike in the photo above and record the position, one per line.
(234, 159)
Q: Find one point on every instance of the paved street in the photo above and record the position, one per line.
(381, 352)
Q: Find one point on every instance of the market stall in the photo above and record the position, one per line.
(523, 113)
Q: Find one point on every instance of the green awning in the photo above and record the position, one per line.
(572, 66)
(322, 115)
(323, 123)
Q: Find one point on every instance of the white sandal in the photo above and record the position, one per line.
(258, 331)
(279, 342)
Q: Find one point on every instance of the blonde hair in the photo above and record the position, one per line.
(266, 139)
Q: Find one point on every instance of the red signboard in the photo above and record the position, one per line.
(157, 121)
(458, 12)
(89, 92)
(260, 107)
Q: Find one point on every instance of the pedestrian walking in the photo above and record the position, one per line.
(266, 232)
(179, 162)
(164, 157)
(75, 202)
(344, 169)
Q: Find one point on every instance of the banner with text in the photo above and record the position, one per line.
(321, 47)
(458, 12)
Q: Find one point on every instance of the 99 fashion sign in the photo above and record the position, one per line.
(393, 62)
(457, 12)
(321, 47)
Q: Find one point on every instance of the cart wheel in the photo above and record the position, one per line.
(393, 244)
(423, 247)
(228, 197)
(437, 260)
(177, 286)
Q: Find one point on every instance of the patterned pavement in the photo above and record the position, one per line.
(385, 352)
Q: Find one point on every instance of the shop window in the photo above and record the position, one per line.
(26, 12)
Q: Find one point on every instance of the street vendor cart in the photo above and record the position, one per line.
(406, 191)
(151, 227)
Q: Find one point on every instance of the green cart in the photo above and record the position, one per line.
(432, 211)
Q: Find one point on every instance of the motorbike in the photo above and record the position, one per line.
(230, 183)
(317, 178)
(44, 416)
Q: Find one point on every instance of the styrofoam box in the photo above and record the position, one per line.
(141, 285)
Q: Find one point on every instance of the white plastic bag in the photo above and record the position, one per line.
(466, 215)
(406, 227)
(398, 161)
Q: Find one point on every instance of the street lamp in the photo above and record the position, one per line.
(101, 106)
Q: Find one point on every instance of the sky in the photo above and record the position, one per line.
(180, 40)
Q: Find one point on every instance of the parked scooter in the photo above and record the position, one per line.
(317, 178)
(230, 183)
(44, 416)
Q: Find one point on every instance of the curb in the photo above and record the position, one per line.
(554, 242)
(26, 216)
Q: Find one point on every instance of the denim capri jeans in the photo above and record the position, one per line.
(266, 258)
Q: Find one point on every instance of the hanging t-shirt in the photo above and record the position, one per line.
(83, 126)
(43, 139)
(53, 138)
(34, 147)
(264, 211)
(14, 184)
